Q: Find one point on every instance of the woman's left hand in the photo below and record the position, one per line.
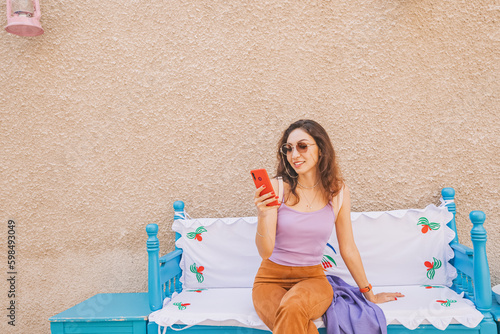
(384, 297)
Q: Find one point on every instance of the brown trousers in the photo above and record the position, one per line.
(289, 299)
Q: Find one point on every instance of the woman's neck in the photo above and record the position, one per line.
(309, 180)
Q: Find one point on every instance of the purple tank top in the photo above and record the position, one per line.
(301, 237)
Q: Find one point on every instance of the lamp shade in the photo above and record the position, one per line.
(23, 18)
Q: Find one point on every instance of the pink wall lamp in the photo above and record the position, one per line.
(23, 17)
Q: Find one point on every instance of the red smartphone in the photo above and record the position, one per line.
(260, 178)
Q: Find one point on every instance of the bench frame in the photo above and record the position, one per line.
(472, 268)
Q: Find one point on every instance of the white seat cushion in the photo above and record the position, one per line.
(432, 304)
(438, 306)
(221, 307)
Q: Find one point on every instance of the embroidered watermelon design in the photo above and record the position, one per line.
(327, 260)
(431, 267)
(181, 306)
(427, 226)
(197, 235)
(197, 290)
(432, 286)
(198, 271)
(446, 303)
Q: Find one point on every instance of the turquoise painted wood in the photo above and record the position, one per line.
(154, 286)
(105, 313)
(481, 290)
(472, 267)
(495, 311)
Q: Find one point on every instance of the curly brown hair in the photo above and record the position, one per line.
(331, 178)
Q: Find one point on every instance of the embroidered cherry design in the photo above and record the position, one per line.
(427, 226)
(326, 262)
(431, 267)
(197, 235)
(182, 306)
(198, 271)
(432, 286)
(446, 303)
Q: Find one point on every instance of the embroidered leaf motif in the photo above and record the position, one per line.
(447, 302)
(431, 267)
(198, 271)
(196, 235)
(181, 306)
(327, 262)
(427, 226)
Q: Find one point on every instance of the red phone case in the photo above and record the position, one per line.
(260, 178)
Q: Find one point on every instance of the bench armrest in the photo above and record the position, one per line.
(462, 249)
(472, 266)
(172, 256)
(163, 273)
(170, 272)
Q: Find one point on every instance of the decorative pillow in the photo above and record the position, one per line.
(402, 247)
(218, 253)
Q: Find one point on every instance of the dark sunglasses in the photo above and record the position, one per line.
(288, 148)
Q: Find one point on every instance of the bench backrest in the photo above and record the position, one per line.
(402, 247)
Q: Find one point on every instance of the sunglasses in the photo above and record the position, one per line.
(288, 148)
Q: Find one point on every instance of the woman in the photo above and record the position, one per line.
(290, 288)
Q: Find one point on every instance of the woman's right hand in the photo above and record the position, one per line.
(261, 201)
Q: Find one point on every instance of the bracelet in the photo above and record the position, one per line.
(366, 289)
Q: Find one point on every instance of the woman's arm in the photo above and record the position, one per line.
(267, 219)
(350, 253)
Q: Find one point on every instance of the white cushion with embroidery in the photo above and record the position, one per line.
(402, 247)
(436, 305)
(429, 304)
(218, 252)
(216, 307)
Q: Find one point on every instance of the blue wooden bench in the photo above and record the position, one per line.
(473, 278)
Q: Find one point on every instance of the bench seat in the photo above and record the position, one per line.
(435, 305)
(205, 285)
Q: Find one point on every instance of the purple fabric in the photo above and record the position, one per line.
(351, 313)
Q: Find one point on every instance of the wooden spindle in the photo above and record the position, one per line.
(154, 286)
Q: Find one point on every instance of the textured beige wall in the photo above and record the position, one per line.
(122, 107)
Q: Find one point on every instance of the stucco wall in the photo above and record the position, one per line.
(123, 107)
